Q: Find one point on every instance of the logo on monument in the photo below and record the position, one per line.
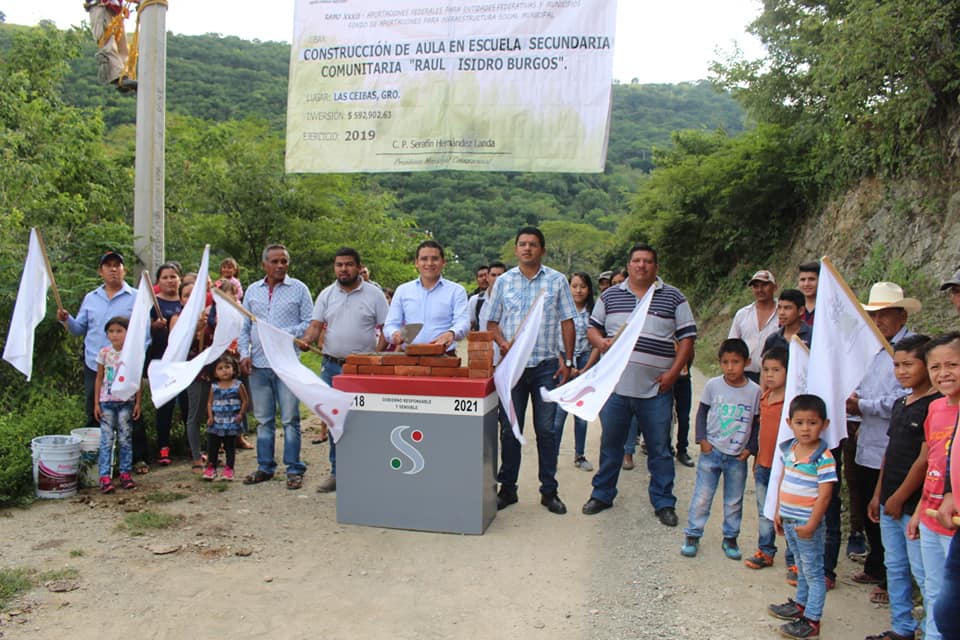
(407, 449)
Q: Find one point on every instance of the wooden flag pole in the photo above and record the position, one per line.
(46, 262)
(253, 318)
(153, 295)
(933, 514)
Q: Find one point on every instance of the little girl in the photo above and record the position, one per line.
(115, 414)
(943, 364)
(226, 407)
(229, 270)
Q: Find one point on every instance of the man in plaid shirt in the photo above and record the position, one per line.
(513, 296)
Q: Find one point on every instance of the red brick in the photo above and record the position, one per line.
(413, 371)
(439, 361)
(480, 373)
(481, 361)
(479, 347)
(449, 372)
(399, 359)
(427, 349)
(364, 359)
(350, 369)
(480, 336)
(375, 370)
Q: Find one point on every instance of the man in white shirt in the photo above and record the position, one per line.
(757, 321)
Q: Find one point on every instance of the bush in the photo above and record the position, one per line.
(43, 414)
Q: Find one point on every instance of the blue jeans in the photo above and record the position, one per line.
(767, 538)
(811, 586)
(268, 393)
(630, 445)
(710, 466)
(544, 413)
(832, 520)
(116, 417)
(934, 548)
(683, 399)
(654, 416)
(948, 602)
(327, 372)
(901, 556)
(579, 424)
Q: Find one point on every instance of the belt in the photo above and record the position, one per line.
(339, 361)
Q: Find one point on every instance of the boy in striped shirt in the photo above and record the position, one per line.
(806, 487)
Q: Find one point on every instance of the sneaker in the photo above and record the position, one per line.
(126, 481)
(164, 458)
(582, 463)
(329, 485)
(792, 575)
(227, 474)
(106, 485)
(759, 560)
(789, 610)
(830, 582)
(209, 473)
(857, 547)
(690, 546)
(731, 549)
(802, 628)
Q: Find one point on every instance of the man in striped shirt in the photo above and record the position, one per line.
(645, 387)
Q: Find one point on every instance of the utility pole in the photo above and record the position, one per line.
(148, 202)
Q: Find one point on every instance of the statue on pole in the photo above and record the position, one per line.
(107, 23)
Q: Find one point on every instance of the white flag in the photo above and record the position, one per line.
(585, 395)
(28, 310)
(511, 367)
(127, 381)
(844, 344)
(329, 404)
(167, 379)
(183, 333)
(798, 363)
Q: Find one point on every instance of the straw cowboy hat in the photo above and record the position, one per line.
(889, 295)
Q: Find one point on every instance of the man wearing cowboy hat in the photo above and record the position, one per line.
(953, 287)
(871, 404)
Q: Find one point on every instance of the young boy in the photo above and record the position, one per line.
(807, 281)
(773, 373)
(114, 413)
(805, 490)
(727, 433)
(790, 316)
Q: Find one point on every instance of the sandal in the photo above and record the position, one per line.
(865, 578)
(164, 459)
(294, 481)
(889, 634)
(141, 468)
(879, 595)
(319, 440)
(242, 443)
(197, 466)
(257, 477)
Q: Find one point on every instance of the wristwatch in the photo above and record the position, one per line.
(568, 362)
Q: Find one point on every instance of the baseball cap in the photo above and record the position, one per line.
(763, 276)
(608, 275)
(954, 281)
(110, 255)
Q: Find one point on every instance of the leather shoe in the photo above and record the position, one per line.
(593, 506)
(506, 498)
(684, 458)
(553, 503)
(667, 516)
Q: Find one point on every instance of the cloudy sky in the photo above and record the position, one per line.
(663, 41)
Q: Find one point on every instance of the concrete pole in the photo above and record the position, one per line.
(148, 205)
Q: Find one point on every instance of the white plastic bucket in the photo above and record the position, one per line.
(56, 465)
(89, 455)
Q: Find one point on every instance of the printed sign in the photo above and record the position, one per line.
(423, 85)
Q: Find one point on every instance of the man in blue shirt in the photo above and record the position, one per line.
(438, 304)
(113, 298)
(511, 300)
(285, 303)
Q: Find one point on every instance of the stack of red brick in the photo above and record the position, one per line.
(427, 360)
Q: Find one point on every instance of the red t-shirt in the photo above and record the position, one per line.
(938, 429)
(770, 413)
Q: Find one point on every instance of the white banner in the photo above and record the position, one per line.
(129, 373)
(424, 85)
(585, 395)
(183, 333)
(329, 404)
(29, 309)
(798, 364)
(511, 367)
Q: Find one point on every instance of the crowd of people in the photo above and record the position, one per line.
(896, 459)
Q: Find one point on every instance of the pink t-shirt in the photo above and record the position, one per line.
(938, 429)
